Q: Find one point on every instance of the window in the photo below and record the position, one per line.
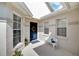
(16, 30)
(55, 5)
(61, 28)
(46, 28)
(61, 32)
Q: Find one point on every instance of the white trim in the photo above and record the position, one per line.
(14, 12)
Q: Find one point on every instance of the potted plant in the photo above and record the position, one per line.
(26, 42)
(18, 53)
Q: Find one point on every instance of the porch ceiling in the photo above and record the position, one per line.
(32, 6)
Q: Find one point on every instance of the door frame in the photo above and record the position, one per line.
(36, 31)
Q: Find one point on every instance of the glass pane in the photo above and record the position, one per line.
(19, 26)
(56, 6)
(61, 32)
(14, 25)
(46, 31)
(14, 17)
(15, 33)
(15, 41)
(19, 20)
(16, 36)
(64, 31)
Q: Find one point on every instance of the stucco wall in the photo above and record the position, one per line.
(71, 42)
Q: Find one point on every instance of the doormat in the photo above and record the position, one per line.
(35, 41)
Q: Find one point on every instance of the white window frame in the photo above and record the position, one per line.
(63, 37)
(17, 29)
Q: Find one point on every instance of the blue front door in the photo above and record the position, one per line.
(33, 31)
